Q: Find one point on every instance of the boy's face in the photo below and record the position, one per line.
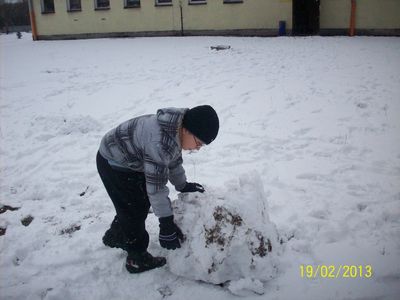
(189, 141)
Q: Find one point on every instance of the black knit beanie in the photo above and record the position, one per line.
(202, 121)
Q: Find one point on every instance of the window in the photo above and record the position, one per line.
(74, 5)
(131, 3)
(233, 1)
(163, 2)
(197, 1)
(102, 4)
(47, 6)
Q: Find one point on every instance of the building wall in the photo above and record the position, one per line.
(213, 16)
(251, 14)
(370, 14)
(116, 19)
(252, 17)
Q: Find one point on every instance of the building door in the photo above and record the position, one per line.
(305, 17)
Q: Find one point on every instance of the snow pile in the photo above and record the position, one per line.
(229, 237)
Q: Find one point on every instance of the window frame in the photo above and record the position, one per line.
(158, 3)
(233, 1)
(69, 9)
(96, 7)
(126, 5)
(197, 2)
(42, 6)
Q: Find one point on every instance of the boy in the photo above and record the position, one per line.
(135, 162)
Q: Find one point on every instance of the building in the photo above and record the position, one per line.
(66, 19)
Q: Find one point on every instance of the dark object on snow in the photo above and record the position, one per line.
(4, 208)
(19, 35)
(2, 231)
(259, 245)
(191, 187)
(84, 192)
(170, 234)
(202, 121)
(165, 291)
(220, 47)
(27, 220)
(71, 229)
(144, 261)
(222, 217)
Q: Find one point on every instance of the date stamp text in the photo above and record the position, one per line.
(334, 271)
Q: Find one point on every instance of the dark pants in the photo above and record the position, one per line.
(127, 190)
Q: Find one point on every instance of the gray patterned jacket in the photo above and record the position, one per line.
(150, 144)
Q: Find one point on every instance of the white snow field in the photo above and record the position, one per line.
(309, 132)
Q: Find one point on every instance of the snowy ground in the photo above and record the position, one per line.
(317, 118)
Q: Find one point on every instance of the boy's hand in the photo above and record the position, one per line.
(191, 187)
(170, 234)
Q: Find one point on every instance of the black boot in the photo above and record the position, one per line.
(114, 237)
(139, 262)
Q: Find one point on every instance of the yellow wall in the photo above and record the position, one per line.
(116, 19)
(370, 14)
(251, 14)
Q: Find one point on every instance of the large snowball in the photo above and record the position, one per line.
(229, 237)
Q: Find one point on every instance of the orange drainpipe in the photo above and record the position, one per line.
(352, 28)
(33, 20)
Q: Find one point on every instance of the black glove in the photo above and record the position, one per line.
(170, 234)
(191, 187)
